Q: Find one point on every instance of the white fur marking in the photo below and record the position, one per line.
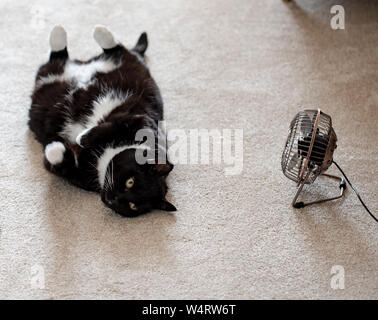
(58, 38)
(72, 130)
(83, 73)
(54, 152)
(107, 156)
(102, 107)
(104, 37)
(78, 138)
(80, 73)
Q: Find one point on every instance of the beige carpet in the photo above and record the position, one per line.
(220, 64)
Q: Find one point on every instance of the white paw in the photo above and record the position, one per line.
(104, 37)
(58, 38)
(54, 152)
(78, 138)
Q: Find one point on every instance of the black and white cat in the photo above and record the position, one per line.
(86, 115)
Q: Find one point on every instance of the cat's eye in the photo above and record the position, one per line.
(133, 206)
(129, 183)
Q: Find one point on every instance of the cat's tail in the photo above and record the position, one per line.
(142, 44)
(107, 42)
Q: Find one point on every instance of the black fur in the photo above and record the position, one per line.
(53, 103)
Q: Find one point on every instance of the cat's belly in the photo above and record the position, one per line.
(102, 106)
(81, 74)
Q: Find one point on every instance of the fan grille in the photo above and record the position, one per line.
(295, 154)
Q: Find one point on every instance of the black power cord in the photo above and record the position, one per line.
(355, 190)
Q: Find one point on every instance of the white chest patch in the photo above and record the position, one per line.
(107, 156)
(101, 107)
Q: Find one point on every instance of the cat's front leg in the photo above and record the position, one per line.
(61, 161)
(120, 130)
(96, 136)
(58, 159)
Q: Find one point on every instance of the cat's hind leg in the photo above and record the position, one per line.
(111, 46)
(58, 44)
(104, 38)
(48, 72)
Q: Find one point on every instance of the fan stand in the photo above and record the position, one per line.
(300, 204)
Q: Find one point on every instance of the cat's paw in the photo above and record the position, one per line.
(58, 38)
(81, 138)
(104, 37)
(54, 152)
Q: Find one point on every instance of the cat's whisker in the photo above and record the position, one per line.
(107, 181)
(112, 186)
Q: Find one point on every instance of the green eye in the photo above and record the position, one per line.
(129, 183)
(133, 206)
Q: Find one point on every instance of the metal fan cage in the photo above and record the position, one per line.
(298, 161)
(309, 150)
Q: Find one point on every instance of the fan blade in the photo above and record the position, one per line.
(292, 163)
(305, 125)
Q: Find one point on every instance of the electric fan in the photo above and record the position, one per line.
(308, 153)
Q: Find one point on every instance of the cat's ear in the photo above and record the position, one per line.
(166, 206)
(161, 169)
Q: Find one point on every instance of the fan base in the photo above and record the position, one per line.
(300, 204)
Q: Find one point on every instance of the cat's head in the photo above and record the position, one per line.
(131, 189)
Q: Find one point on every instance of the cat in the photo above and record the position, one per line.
(86, 115)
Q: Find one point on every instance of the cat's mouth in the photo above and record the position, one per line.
(109, 199)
